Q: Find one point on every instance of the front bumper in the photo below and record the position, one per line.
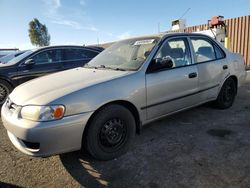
(53, 137)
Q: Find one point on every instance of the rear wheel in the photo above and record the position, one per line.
(5, 89)
(110, 132)
(227, 94)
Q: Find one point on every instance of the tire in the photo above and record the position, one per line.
(5, 90)
(110, 132)
(227, 94)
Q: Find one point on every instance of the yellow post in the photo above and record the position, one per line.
(227, 45)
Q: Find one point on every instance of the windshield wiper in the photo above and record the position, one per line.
(91, 67)
(104, 67)
(112, 68)
(119, 69)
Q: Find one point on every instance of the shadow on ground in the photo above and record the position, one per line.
(7, 185)
(82, 168)
(201, 147)
(194, 148)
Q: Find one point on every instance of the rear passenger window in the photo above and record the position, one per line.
(74, 54)
(90, 54)
(204, 50)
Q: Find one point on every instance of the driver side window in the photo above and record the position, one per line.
(177, 50)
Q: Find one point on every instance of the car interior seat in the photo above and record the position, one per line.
(205, 53)
(179, 57)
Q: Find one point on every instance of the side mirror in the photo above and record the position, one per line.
(167, 62)
(162, 63)
(29, 62)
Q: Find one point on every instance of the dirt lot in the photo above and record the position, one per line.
(202, 147)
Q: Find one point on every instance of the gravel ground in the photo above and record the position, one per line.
(201, 147)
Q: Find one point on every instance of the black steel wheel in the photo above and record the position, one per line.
(227, 94)
(110, 132)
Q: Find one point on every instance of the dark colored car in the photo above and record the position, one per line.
(42, 61)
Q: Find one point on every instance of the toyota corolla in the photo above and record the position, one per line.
(102, 105)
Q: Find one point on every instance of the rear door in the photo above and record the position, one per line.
(170, 90)
(46, 62)
(212, 65)
(77, 57)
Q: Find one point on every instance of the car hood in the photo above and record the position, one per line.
(3, 65)
(44, 90)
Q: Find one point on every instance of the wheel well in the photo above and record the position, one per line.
(6, 80)
(127, 105)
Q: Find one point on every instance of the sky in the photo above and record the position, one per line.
(98, 21)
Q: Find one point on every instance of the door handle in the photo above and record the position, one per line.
(225, 67)
(192, 75)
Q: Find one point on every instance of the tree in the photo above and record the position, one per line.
(38, 33)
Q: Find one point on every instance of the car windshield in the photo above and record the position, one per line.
(7, 58)
(124, 55)
(20, 57)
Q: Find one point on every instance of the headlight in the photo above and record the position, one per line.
(42, 113)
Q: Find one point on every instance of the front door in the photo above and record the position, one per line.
(172, 89)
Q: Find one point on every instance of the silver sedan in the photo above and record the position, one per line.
(102, 105)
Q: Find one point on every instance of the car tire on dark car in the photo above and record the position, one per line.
(110, 132)
(5, 90)
(227, 94)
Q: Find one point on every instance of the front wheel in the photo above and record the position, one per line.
(5, 89)
(110, 132)
(227, 94)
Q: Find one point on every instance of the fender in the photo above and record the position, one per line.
(8, 80)
(223, 81)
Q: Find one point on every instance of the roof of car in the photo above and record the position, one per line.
(182, 33)
(165, 34)
(70, 46)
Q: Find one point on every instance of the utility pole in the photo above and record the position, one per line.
(98, 41)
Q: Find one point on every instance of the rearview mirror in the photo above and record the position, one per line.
(29, 62)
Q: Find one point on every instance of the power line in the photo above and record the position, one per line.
(185, 13)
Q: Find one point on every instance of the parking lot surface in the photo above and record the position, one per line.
(201, 147)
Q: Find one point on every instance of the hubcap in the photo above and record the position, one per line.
(3, 93)
(112, 133)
